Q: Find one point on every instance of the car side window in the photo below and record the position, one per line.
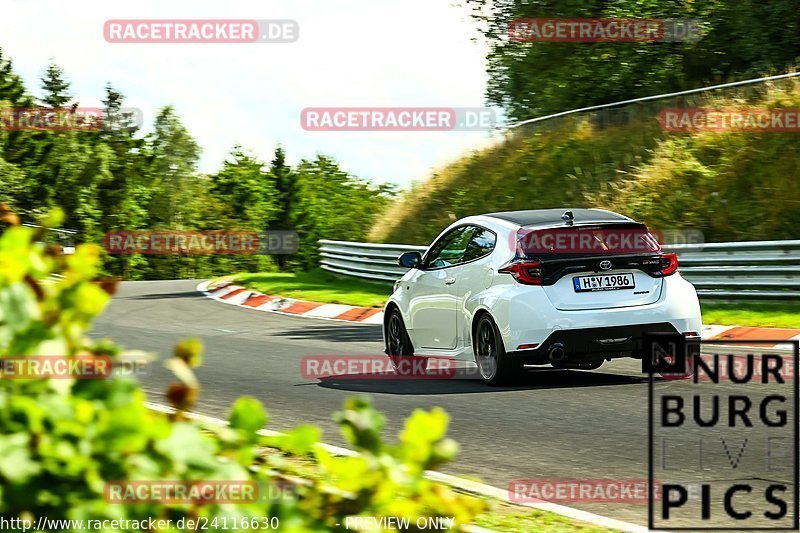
(450, 249)
(481, 244)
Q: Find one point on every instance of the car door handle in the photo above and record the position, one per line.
(449, 281)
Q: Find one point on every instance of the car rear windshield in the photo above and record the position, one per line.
(597, 239)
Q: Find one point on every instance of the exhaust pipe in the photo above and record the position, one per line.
(556, 352)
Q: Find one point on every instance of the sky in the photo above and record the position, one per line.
(351, 53)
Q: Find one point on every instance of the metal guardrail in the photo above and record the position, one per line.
(654, 97)
(65, 237)
(731, 270)
(364, 260)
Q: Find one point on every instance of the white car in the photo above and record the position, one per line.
(571, 288)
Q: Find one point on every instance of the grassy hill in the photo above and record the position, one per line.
(731, 186)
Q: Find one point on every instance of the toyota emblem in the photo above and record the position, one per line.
(605, 265)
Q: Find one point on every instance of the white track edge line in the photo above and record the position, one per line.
(464, 484)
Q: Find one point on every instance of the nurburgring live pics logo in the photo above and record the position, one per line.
(730, 433)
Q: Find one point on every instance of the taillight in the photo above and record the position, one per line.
(669, 264)
(525, 272)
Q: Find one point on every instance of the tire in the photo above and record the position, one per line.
(398, 344)
(494, 365)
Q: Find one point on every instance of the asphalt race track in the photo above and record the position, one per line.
(552, 424)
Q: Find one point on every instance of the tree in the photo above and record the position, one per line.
(172, 155)
(286, 185)
(334, 205)
(245, 191)
(11, 88)
(113, 178)
(742, 38)
(123, 197)
(176, 190)
(15, 146)
(55, 87)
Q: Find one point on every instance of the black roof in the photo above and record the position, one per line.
(548, 217)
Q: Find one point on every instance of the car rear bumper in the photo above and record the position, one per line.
(529, 319)
(592, 344)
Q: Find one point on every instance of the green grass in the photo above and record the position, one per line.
(511, 518)
(771, 315)
(318, 286)
(499, 516)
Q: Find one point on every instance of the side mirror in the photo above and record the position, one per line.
(410, 260)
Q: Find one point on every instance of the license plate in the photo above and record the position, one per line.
(603, 282)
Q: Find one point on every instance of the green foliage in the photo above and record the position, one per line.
(334, 205)
(286, 186)
(63, 440)
(742, 38)
(245, 193)
(730, 186)
(118, 179)
(55, 87)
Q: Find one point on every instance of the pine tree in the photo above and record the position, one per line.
(121, 197)
(287, 188)
(55, 87)
(245, 191)
(18, 146)
(11, 88)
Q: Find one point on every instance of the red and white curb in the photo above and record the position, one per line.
(739, 333)
(466, 485)
(226, 292)
(232, 294)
